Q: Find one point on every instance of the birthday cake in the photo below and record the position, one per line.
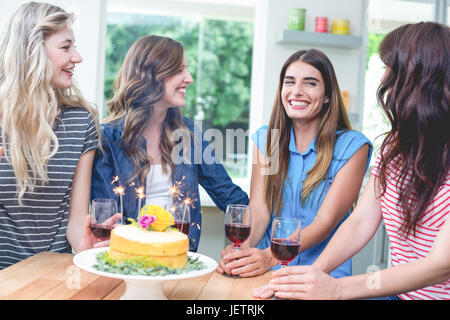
(150, 238)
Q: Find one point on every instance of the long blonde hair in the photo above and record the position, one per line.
(333, 117)
(138, 86)
(29, 105)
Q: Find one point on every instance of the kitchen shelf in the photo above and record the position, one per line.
(320, 39)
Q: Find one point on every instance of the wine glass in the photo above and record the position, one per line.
(285, 239)
(238, 223)
(103, 217)
(182, 217)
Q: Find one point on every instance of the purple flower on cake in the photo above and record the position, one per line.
(145, 221)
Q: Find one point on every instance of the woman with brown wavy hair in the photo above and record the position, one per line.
(309, 165)
(148, 144)
(409, 187)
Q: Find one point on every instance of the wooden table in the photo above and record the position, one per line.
(53, 276)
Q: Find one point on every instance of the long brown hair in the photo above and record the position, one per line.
(415, 95)
(138, 86)
(333, 117)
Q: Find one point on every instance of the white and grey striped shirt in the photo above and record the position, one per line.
(41, 223)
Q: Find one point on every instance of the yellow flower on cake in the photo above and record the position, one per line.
(162, 219)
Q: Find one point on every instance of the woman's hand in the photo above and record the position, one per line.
(245, 262)
(88, 240)
(300, 282)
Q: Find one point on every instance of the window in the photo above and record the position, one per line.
(219, 53)
(384, 16)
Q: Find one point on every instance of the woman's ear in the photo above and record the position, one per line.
(326, 100)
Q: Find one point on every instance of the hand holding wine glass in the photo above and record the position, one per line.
(103, 218)
(285, 239)
(238, 223)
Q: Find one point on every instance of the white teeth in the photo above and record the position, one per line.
(181, 90)
(299, 103)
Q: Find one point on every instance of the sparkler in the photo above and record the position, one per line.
(120, 191)
(140, 195)
(116, 178)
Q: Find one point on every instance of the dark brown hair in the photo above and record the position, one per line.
(414, 94)
(333, 117)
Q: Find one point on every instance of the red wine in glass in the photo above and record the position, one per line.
(237, 233)
(101, 231)
(284, 250)
(183, 226)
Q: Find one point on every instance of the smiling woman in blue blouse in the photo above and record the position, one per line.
(308, 164)
(148, 144)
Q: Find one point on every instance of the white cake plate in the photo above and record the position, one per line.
(141, 287)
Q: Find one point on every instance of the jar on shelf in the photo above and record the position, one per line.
(322, 24)
(340, 26)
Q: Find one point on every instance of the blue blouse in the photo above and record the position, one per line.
(347, 143)
(201, 168)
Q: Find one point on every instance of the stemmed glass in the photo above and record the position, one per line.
(285, 239)
(182, 216)
(103, 218)
(238, 223)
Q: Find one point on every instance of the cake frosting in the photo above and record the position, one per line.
(150, 238)
(167, 247)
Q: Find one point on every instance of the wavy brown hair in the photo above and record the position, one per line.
(138, 86)
(414, 94)
(333, 117)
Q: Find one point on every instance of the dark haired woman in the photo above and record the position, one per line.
(310, 165)
(148, 144)
(409, 188)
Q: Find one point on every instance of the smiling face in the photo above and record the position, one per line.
(175, 87)
(303, 92)
(63, 57)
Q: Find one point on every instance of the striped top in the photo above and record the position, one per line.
(419, 245)
(41, 223)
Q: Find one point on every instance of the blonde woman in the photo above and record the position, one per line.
(48, 135)
(148, 144)
(309, 165)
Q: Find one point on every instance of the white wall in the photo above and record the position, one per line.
(89, 29)
(271, 18)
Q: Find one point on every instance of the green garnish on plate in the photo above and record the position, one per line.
(143, 267)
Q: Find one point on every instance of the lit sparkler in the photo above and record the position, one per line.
(120, 191)
(140, 195)
(116, 178)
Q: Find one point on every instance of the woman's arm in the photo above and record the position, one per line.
(249, 261)
(260, 211)
(78, 233)
(339, 199)
(355, 232)
(311, 283)
(428, 271)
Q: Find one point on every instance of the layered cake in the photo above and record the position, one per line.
(167, 247)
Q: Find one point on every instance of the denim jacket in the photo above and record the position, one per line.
(201, 168)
